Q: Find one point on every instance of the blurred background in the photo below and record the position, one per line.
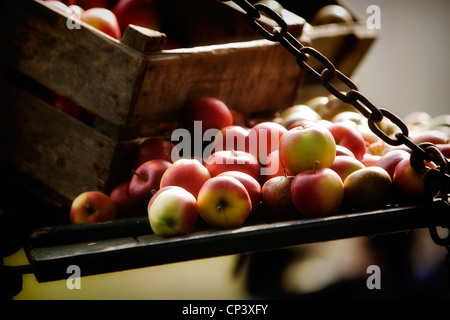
(406, 70)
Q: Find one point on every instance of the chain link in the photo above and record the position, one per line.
(439, 176)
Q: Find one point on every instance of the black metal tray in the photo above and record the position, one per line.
(129, 243)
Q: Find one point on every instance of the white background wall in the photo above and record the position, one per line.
(408, 69)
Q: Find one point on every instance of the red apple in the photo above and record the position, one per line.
(71, 108)
(231, 160)
(348, 136)
(212, 112)
(146, 180)
(102, 19)
(277, 199)
(223, 202)
(153, 148)
(231, 138)
(125, 205)
(345, 165)
(409, 184)
(368, 189)
(138, 12)
(173, 211)
(189, 174)
(251, 184)
(264, 138)
(317, 192)
(389, 160)
(303, 148)
(92, 206)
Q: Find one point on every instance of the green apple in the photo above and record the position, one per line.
(172, 211)
(305, 148)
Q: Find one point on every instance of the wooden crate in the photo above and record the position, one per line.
(132, 86)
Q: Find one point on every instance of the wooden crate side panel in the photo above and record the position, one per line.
(52, 147)
(85, 65)
(262, 77)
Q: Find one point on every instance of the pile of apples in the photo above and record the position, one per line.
(111, 17)
(311, 160)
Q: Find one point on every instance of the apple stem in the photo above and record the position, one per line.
(285, 173)
(140, 176)
(316, 163)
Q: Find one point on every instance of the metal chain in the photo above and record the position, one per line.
(439, 176)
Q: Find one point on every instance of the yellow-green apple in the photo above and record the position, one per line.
(153, 148)
(348, 136)
(92, 206)
(263, 138)
(138, 12)
(102, 19)
(223, 202)
(251, 184)
(331, 13)
(345, 165)
(277, 198)
(146, 180)
(409, 184)
(332, 107)
(125, 205)
(368, 189)
(212, 112)
(303, 148)
(13, 230)
(389, 160)
(189, 174)
(231, 138)
(231, 160)
(173, 211)
(317, 192)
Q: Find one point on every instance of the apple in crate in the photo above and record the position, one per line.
(305, 148)
(212, 112)
(317, 192)
(138, 12)
(146, 180)
(231, 160)
(172, 211)
(102, 19)
(368, 189)
(189, 174)
(153, 148)
(223, 202)
(92, 206)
